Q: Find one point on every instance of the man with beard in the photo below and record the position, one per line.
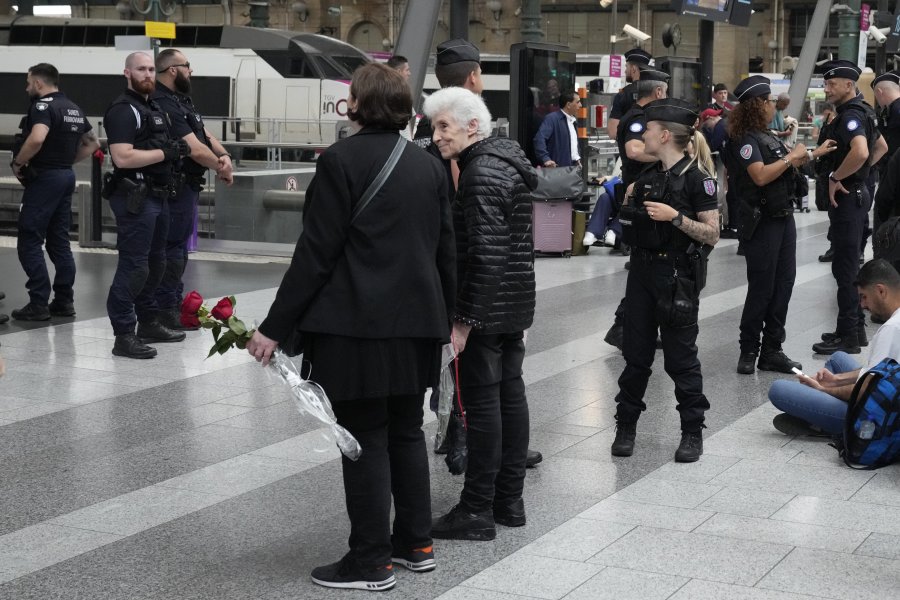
(173, 89)
(144, 157)
(55, 135)
(636, 60)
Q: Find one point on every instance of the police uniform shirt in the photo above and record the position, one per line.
(631, 127)
(700, 193)
(67, 124)
(622, 101)
(123, 120)
(849, 123)
(748, 152)
(181, 111)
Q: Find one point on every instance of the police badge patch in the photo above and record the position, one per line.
(709, 186)
(746, 151)
(41, 106)
(636, 127)
(852, 125)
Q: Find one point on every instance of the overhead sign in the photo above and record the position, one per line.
(157, 29)
(133, 43)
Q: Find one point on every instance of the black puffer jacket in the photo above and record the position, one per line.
(495, 250)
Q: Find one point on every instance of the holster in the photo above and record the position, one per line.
(676, 304)
(135, 192)
(699, 260)
(108, 188)
(750, 218)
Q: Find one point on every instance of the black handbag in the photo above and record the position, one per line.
(293, 343)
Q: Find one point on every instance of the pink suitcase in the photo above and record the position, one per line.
(552, 226)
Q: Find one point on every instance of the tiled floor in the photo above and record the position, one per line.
(185, 478)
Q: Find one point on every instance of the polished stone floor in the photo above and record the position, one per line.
(185, 478)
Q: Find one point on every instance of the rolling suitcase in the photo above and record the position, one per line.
(552, 226)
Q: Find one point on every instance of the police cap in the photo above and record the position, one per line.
(752, 87)
(454, 51)
(639, 56)
(843, 69)
(892, 76)
(674, 110)
(651, 74)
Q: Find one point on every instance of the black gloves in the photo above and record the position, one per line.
(176, 149)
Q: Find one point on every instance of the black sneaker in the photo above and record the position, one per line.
(778, 362)
(623, 445)
(348, 575)
(156, 333)
(129, 346)
(62, 309)
(860, 334)
(533, 458)
(31, 312)
(419, 560)
(849, 344)
(794, 426)
(458, 524)
(747, 363)
(828, 256)
(510, 514)
(613, 337)
(3, 318)
(690, 448)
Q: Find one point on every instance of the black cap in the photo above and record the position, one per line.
(843, 69)
(752, 87)
(892, 76)
(674, 110)
(639, 56)
(720, 87)
(651, 74)
(454, 51)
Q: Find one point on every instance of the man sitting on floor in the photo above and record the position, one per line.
(821, 400)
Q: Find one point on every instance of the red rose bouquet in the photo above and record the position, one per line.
(228, 331)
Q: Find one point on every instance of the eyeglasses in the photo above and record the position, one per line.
(772, 100)
(186, 65)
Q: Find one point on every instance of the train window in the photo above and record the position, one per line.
(300, 67)
(74, 36)
(349, 63)
(329, 71)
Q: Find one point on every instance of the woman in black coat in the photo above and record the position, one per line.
(494, 306)
(372, 298)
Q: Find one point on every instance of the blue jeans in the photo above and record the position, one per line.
(818, 408)
(181, 226)
(46, 218)
(600, 217)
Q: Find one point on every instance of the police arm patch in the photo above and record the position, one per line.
(746, 151)
(636, 127)
(709, 186)
(41, 106)
(852, 125)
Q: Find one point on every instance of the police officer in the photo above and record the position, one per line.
(55, 135)
(671, 219)
(636, 60)
(764, 178)
(144, 156)
(629, 138)
(859, 145)
(172, 94)
(887, 96)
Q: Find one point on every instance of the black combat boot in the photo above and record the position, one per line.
(614, 336)
(533, 458)
(31, 312)
(623, 445)
(62, 309)
(129, 346)
(860, 334)
(171, 319)
(153, 332)
(776, 360)
(690, 448)
(509, 514)
(848, 343)
(747, 363)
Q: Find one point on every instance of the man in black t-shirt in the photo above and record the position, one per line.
(636, 59)
(172, 94)
(56, 134)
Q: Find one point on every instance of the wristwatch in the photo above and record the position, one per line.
(677, 219)
(832, 178)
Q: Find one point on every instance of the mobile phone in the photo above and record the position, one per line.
(799, 372)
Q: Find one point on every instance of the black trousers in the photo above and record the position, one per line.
(647, 281)
(849, 221)
(493, 396)
(771, 257)
(394, 462)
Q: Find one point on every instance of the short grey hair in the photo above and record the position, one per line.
(784, 97)
(462, 106)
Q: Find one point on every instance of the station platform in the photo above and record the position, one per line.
(184, 478)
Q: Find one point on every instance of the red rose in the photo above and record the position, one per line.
(192, 303)
(190, 320)
(223, 310)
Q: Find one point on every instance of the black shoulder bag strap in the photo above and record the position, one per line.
(385, 172)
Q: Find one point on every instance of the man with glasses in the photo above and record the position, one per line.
(173, 89)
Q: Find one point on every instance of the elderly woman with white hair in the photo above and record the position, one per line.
(494, 306)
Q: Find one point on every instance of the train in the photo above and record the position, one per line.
(259, 85)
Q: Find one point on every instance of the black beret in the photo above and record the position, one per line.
(674, 110)
(651, 74)
(454, 51)
(638, 55)
(720, 87)
(752, 87)
(892, 76)
(843, 69)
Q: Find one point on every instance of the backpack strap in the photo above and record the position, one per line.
(382, 176)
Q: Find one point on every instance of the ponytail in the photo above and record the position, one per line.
(683, 136)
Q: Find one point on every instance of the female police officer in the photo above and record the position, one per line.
(671, 219)
(765, 181)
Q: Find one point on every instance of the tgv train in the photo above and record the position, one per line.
(283, 86)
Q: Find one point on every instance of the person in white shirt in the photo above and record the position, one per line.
(821, 400)
(556, 142)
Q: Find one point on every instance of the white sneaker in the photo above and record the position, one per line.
(610, 238)
(589, 239)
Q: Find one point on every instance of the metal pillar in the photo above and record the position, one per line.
(880, 52)
(531, 21)
(848, 31)
(707, 33)
(808, 56)
(459, 19)
(414, 40)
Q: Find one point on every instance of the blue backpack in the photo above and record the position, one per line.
(872, 426)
